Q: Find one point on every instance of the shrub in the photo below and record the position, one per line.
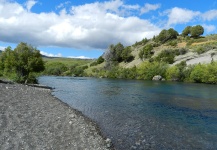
(166, 56)
(146, 52)
(148, 70)
(173, 73)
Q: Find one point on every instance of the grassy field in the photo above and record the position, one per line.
(67, 61)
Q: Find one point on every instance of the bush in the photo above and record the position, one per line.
(166, 56)
(55, 68)
(146, 52)
(173, 73)
(21, 63)
(148, 70)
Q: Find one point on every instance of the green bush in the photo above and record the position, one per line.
(146, 52)
(21, 63)
(173, 73)
(166, 56)
(148, 70)
(55, 68)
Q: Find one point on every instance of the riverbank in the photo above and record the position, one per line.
(31, 118)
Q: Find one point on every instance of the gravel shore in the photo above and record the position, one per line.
(31, 118)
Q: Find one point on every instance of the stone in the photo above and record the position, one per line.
(157, 78)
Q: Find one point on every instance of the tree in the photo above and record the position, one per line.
(186, 31)
(146, 52)
(166, 35)
(173, 73)
(196, 31)
(126, 55)
(22, 62)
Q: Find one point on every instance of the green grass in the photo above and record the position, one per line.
(67, 61)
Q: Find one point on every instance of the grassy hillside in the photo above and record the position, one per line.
(65, 66)
(67, 61)
(179, 59)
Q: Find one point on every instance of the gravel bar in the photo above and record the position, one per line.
(31, 118)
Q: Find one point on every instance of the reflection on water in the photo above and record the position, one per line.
(144, 114)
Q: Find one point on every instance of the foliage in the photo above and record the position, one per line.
(126, 55)
(148, 70)
(186, 31)
(202, 48)
(173, 73)
(22, 63)
(98, 61)
(166, 56)
(194, 31)
(116, 54)
(166, 35)
(55, 68)
(172, 43)
(146, 52)
(204, 73)
(143, 42)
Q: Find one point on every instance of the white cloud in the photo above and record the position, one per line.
(149, 7)
(79, 57)
(210, 15)
(180, 16)
(30, 4)
(50, 55)
(90, 26)
(209, 28)
(2, 48)
(62, 5)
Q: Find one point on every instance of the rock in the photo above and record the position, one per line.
(108, 142)
(157, 78)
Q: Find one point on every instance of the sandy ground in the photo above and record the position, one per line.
(30, 118)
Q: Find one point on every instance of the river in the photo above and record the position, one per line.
(138, 114)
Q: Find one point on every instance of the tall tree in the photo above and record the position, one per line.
(197, 31)
(186, 31)
(23, 62)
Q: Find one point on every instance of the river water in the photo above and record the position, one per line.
(137, 114)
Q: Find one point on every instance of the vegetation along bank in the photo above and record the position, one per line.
(187, 57)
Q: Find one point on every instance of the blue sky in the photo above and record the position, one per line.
(84, 29)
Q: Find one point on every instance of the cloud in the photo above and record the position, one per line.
(209, 28)
(2, 48)
(29, 4)
(79, 57)
(181, 16)
(50, 55)
(210, 15)
(62, 5)
(89, 26)
(149, 7)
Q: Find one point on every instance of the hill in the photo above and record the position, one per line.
(175, 59)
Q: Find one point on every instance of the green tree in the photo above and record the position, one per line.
(197, 31)
(148, 70)
(22, 63)
(173, 73)
(100, 60)
(146, 52)
(166, 35)
(55, 68)
(186, 31)
(197, 74)
(126, 55)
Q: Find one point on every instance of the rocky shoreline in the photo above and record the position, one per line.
(31, 118)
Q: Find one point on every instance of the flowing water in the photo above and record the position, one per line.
(137, 114)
